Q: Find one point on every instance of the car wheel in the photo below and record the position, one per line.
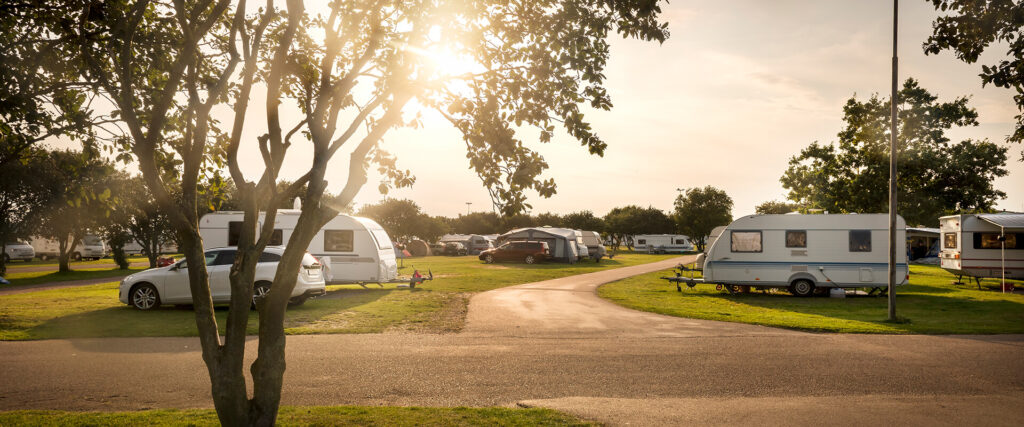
(297, 301)
(489, 259)
(259, 292)
(529, 259)
(802, 288)
(144, 297)
(44, 257)
(77, 256)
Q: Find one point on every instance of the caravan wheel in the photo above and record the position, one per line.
(802, 288)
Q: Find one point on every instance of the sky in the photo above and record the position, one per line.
(738, 89)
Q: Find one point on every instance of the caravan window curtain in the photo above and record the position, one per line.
(860, 240)
(949, 241)
(746, 241)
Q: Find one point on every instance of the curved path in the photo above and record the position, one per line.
(569, 307)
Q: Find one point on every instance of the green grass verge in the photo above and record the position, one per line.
(931, 303)
(311, 415)
(36, 262)
(437, 306)
(38, 277)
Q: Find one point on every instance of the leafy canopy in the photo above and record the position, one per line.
(700, 210)
(935, 175)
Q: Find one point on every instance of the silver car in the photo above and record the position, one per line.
(169, 285)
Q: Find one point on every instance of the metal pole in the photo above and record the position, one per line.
(1002, 234)
(892, 169)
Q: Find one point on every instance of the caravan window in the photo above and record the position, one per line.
(641, 241)
(796, 238)
(860, 240)
(949, 241)
(276, 238)
(338, 241)
(680, 241)
(746, 241)
(991, 241)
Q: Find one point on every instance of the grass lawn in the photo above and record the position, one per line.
(930, 303)
(83, 263)
(436, 306)
(311, 415)
(37, 277)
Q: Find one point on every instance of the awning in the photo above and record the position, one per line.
(1006, 221)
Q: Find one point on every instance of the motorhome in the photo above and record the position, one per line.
(594, 245)
(90, 247)
(359, 250)
(18, 250)
(983, 245)
(805, 252)
(662, 243)
(474, 243)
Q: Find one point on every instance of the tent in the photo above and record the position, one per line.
(561, 241)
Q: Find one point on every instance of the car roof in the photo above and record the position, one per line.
(272, 249)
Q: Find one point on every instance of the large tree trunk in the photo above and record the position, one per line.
(66, 250)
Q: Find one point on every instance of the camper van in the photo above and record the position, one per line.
(594, 245)
(91, 247)
(473, 243)
(662, 243)
(973, 245)
(805, 252)
(359, 249)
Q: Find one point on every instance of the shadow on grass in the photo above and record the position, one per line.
(179, 320)
(924, 313)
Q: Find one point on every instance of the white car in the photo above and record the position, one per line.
(169, 285)
(18, 250)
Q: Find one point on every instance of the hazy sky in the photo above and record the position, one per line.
(739, 88)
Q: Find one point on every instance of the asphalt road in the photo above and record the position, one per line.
(583, 356)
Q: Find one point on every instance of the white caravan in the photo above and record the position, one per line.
(804, 252)
(91, 246)
(972, 245)
(135, 248)
(662, 243)
(582, 251)
(359, 250)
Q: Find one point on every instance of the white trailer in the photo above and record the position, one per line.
(91, 246)
(662, 243)
(358, 249)
(983, 245)
(803, 253)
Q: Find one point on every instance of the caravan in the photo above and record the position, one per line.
(359, 250)
(662, 243)
(973, 245)
(804, 252)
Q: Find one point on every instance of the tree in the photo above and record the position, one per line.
(626, 221)
(548, 219)
(431, 228)
(935, 176)
(776, 207)
(513, 222)
(477, 223)
(40, 97)
(401, 218)
(80, 199)
(700, 210)
(141, 219)
(23, 197)
(167, 65)
(583, 220)
(969, 27)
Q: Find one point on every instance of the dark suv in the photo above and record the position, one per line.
(528, 252)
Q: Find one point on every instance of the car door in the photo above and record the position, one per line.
(219, 270)
(176, 288)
